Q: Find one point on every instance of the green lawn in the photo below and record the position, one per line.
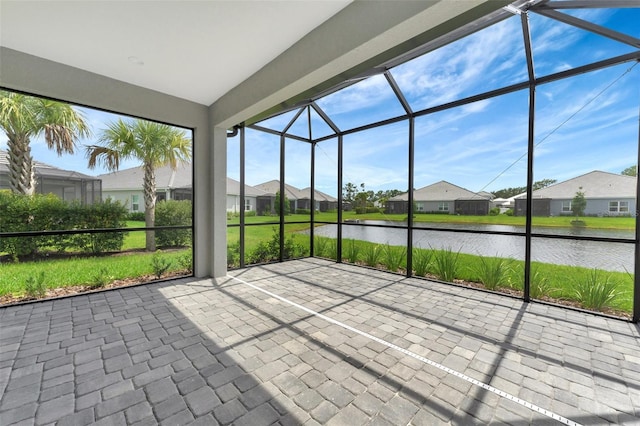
(622, 223)
(81, 271)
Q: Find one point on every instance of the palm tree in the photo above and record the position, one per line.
(154, 144)
(23, 117)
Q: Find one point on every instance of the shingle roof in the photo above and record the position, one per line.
(318, 195)
(45, 170)
(132, 178)
(441, 191)
(294, 193)
(595, 184)
(273, 186)
(233, 188)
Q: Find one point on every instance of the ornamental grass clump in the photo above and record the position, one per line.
(34, 286)
(421, 261)
(393, 257)
(539, 286)
(321, 246)
(352, 251)
(446, 264)
(594, 291)
(100, 279)
(494, 272)
(371, 255)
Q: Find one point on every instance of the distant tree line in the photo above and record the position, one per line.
(360, 197)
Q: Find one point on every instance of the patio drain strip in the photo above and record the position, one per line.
(427, 361)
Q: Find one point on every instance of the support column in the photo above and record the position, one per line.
(217, 164)
(201, 203)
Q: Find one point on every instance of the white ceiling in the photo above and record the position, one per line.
(196, 50)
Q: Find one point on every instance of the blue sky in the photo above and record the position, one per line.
(583, 123)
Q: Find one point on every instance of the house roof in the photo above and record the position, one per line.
(45, 170)
(293, 193)
(441, 191)
(595, 184)
(318, 195)
(233, 188)
(131, 179)
(273, 186)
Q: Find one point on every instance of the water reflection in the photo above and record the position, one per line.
(588, 254)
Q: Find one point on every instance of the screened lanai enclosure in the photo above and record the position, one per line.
(427, 155)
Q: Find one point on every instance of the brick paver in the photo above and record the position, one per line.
(220, 352)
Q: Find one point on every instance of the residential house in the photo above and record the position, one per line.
(126, 186)
(251, 197)
(298, 198)
(607, 194)
(442, 197)
(65, 184)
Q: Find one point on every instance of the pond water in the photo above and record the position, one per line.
(589, 254)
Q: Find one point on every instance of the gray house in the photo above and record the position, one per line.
(252, 197)
(65, 184)
(442, 197)
(298, 198)
(607, 194)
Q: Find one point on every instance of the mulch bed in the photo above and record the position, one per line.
(9, 299)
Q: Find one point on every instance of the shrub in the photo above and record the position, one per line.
(372, 254)
(107, 214)
(267, 251)
(48, 212)
(303, 211)
(159, 264)
(233, 254)
(446, 264)
(34, 286)
(509, 212)
(136, 216)
(172, 213)
(494, 272)
(421, 261)
(185, 261)
(494, 211)
(595, 293)
(394, 257)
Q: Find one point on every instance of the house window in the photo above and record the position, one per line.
(618, 207)
(566, 206)
(135, 203)
(247, 205)
(443, 206)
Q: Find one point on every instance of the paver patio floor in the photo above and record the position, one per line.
(313, 342)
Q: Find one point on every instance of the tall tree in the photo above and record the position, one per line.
(154, 144)
(287, 204)
(578, 203)
(630, 171)
(24, 117)
(349, 192)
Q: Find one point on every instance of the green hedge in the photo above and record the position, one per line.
(19, 213)
(170, 213)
